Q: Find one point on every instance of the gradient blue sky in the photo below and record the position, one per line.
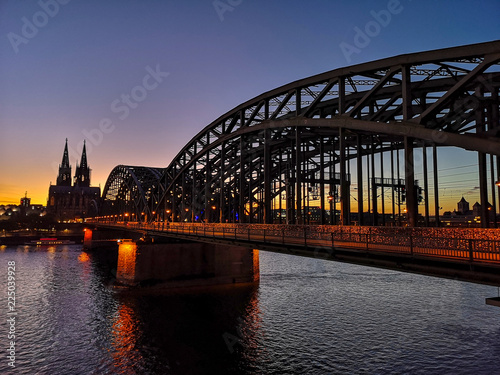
(62, 82)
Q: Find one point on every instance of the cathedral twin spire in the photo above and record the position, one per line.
(82, 173)
(64, 177)
(65, 160)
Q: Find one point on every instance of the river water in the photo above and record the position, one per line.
(306, 316)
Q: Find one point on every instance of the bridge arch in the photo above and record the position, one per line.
(265, 159)
(131, 191)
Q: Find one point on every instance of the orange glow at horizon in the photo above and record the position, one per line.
(19, 178)
(446, 203)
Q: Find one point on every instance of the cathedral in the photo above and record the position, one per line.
(77, 200)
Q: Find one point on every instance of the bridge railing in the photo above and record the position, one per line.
(464, 245)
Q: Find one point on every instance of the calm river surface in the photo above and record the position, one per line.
(307, 316)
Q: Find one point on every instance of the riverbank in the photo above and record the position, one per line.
(70, 232)
(21, 240)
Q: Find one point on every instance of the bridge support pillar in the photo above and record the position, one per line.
(483, 190)
(174, 265)
(87, 239)
(411, 196)
(345, 194)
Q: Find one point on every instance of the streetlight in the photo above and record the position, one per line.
(497, 183)
(330, 200)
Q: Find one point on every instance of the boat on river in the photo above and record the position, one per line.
(49, 242)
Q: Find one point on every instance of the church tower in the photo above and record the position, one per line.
(69, 202)
(64, 177)
(82, 174)
(463, 206)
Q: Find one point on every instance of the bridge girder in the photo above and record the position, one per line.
(131, 190)
(310, 129)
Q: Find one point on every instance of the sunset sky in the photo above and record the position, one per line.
(68, 76)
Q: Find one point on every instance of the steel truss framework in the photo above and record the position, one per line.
(132, 191)
(265, 160)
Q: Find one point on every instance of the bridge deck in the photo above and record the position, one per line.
(469, 259)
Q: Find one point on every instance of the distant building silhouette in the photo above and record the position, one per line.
(67, 201)
(477, 208)
(463, 206)
(463, 215)
(25, 203)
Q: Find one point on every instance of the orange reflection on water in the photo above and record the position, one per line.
(51, 252)
(125, 336)
(256, 265)
(253, 320)
(83, 257)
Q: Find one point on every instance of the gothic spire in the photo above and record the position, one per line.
(82, 175)
(65, 159)
(83, 162)
(64, 177)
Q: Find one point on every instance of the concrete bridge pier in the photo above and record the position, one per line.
(170, 265)
(98, 239)
(87, 238)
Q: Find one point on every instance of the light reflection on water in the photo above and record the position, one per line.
(306, 316)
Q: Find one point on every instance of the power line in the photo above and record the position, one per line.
(451, 168)
(454, 174)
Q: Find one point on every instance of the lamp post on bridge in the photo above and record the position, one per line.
(330, 200)
(497, 184)
(214, 207)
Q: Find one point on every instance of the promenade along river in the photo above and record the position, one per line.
(306, 316)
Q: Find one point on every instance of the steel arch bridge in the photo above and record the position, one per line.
(131, 191)
(325, 138)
